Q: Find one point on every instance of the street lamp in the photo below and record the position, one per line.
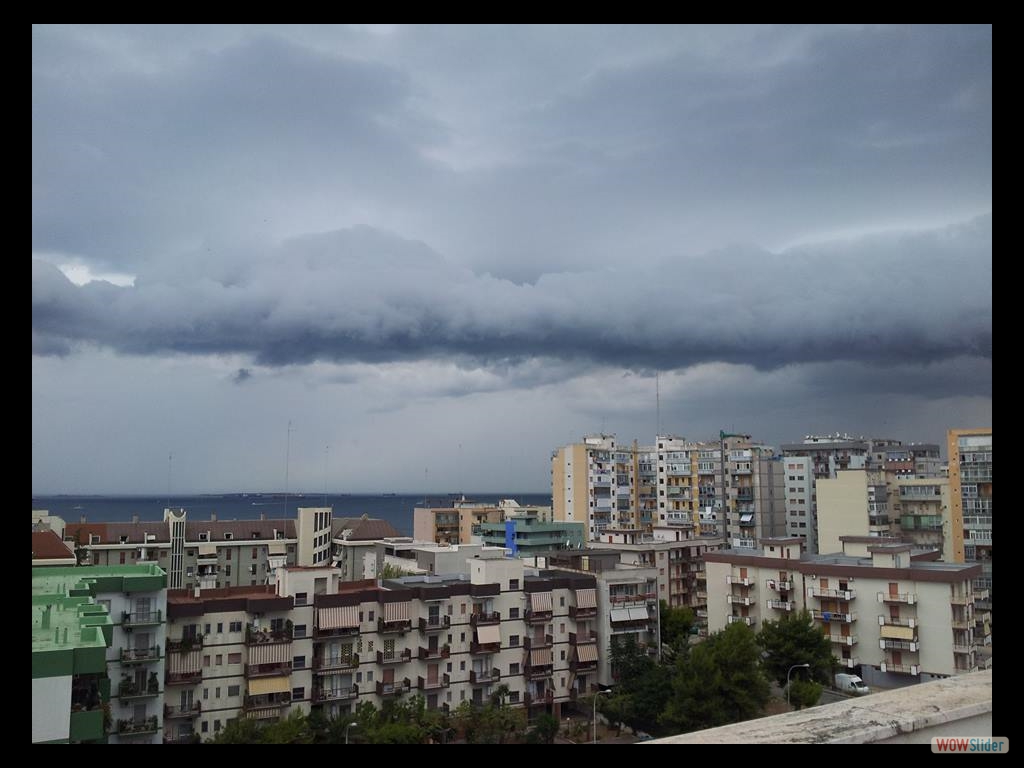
(795, 666)
(598, 693)
(346, 729)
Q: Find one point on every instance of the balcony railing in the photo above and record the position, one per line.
(837, 594)
(340, 693)
(478, 648)
(962, 648)
(779, 585)
(529, 699)
(576, 638)
(537, 672)
(582, 613)
(393, 688)
(268, 670)
(140, 655)
(748, 620)
(323, 634)
(395, 658)
(980, 594)
(846, 618)
(325, 664)
(892, 644)
(190, 677)
(843, 639)
(537, 617)
(132, 690)
(906, 597)
(743, 582)
(194, 710)
(486, 677)
(888, 621)
(480, 619)
(961, 624)
(543, 642)
(133, 727)
(265, 636)
(389, 627)
(185, 645)
(141, 618)
(435, 623)
(781, 605)
(961, 599)
(424, 684)
(441, 652)
(258, 704)
(737, 600)
(906, 669)
(849, 663)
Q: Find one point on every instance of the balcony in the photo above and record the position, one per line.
(737, 600)
(133, 727)
(781, 605)
(846, 618)
(843, 639)
(701, 613)
(335, 694)
(140, 655)
(393, 688)
(836, 594)
(141, 619)
(487, 677)
(191, 677)
(961, 624)
(442, 652)
(265, 705)
(268, 670)
(327, 664)
(425, 684)
(325, 634)
(577, 614)
(264, 636)
(188, 738)
(849, 663)
(582, 637)
(538, 672)
(888, 621)
(962, 648)
(483, 648)
(905, 669)
(435, 624)
(890, 644)
(185, 645)
(194, 710)
(394, 658)
(961, 599)
(543, 642)
(129, 689)
(537, 617)
(480, 619)
(743, 582)
(393, 627)
(779, 585)
(748, 620)
(531, 699)
(980, 594)
(906, 597)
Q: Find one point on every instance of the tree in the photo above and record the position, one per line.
(545, 728)
(493, 723)
(389, 571)
(795, 639)
(675, 628)
(719, 682)
(804, 693)
(639, 693)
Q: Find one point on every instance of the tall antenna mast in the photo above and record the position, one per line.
(287, 462)
(170, 457)
(327, 453)
(657, 403)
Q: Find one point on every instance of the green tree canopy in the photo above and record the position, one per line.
(795, 639)
(675, 628)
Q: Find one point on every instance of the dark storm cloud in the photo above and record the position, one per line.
(362, 295)
(241, 376)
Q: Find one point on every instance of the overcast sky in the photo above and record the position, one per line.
(442, 252)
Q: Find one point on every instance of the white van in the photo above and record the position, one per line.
(851, 684)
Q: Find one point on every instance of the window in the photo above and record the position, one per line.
(513, 669)
(206, 694)
(216, 726)
(513, 584)
(449, 669)
(359, 677)
(220, 627)
(360, 617)
(300, 630)
(252, 570)
(228, 555)
(561, 602)
(299, 662)
(369, 676)
(255, 551)
(300, 598)
(233, 690)
(220, 659)
(216, 692)
(513, 613)
(227, 570)
(462, 637)
(369, 646)
(462, 609)
(513, 640)
(205, 727)
(563, 656)
(234, 658)
(122, 558)
(228, 535)
(449, 640)
(462, 666)
(370, 615)
(513, 696)
(298, 694)
(206, 660)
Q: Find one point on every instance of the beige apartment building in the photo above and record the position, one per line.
(452, 524)
(892, 614)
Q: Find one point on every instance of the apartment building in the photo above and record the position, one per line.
(895, 616)
(921, 511)
(585, 479)
(98, 638)
(453, 521)
(527, 533)
(801, 502)
(354, 545)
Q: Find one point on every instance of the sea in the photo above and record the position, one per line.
(395, 508)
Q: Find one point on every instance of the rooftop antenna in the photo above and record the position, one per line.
(170, 457)
(657, 402)
(327, 453)
(287, 462)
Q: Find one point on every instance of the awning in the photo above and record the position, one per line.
(586, 598)
(488, 633)
(179, 663)
(620, 614)
(396, 612)
(207, 549)
(270, 653)
(277, 548)
(540, 601)
(746, 517)
(586, 652)
(540, 657)
(263, 685)
(638, 614)
(341, 617)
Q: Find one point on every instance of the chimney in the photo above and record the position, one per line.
(263, 515)
(213, 517)
(135, 518)
(82, 519)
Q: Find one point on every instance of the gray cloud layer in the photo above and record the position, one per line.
(368, 296)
